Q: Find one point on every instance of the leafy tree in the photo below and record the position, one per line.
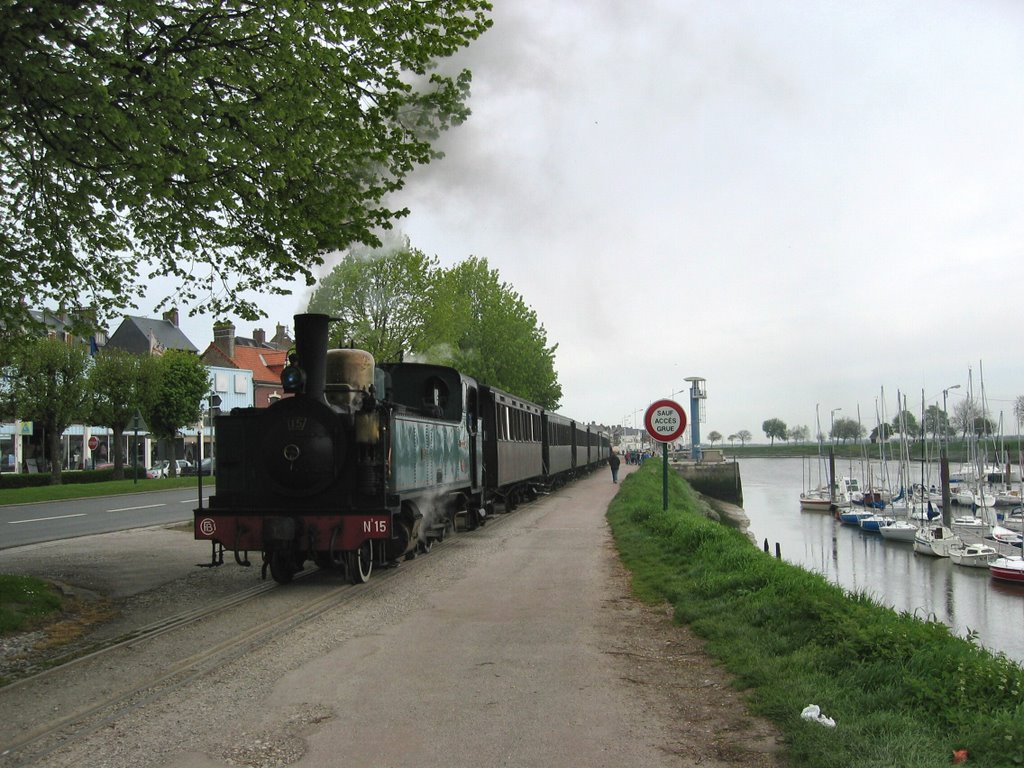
(936, 421)
(774, 428)
(744, 436)
(714, 437)
(121, 384)
(174, 400)
(229, 145)
(906, 422)
(847, 429)
(970, 417)
(798, 433)
(399, 300)
(48, 381)
(881, 432)
(493, 335)
(1018, 409)
(382, 300)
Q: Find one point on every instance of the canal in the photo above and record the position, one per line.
(965, 599)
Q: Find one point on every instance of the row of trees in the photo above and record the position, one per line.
(968, 417)
(743, 436)
(56, 384)
(397, 303)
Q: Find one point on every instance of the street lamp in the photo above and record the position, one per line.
(136, 423)
(945, 415)
(832, 424)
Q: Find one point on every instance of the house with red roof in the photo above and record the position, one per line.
(264, 359)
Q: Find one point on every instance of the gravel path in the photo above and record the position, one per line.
(514, 645)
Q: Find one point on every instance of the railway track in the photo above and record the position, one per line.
(134, 691)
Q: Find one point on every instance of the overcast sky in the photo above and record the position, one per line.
(801, 202)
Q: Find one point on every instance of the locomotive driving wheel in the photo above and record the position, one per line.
(282, 566)
(360, 563)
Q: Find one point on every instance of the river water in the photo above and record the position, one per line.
(965, 599)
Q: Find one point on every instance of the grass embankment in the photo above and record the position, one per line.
(82, 490)
(903, 692)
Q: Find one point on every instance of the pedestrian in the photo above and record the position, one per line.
(613, 462)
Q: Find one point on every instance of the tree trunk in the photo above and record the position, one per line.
(118, 430)
(53, 436)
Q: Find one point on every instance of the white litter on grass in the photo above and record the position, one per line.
(813, 712)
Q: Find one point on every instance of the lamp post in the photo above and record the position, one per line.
(136, 422)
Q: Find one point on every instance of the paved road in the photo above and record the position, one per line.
(22, 524)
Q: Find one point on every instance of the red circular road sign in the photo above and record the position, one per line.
(93, 442)
(665, 420)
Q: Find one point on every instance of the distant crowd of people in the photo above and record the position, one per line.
(637, 457)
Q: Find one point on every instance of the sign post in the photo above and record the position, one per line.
(665, 421)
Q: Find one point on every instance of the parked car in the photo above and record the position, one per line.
(207, 467)
(162, 468)
(159, 469)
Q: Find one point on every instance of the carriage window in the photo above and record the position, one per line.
(503, 424)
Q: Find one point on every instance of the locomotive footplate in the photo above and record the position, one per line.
(319, 532)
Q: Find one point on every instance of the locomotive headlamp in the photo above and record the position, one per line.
(293, 378)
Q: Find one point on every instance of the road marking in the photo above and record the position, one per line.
(132, 509)
(190, 501)
(44, 519)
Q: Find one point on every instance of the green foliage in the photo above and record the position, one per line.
(121, 384)
(227, 145)
(24, 599)
(49, 386)
(494, 335)
(775, 428)
(903, 691)
(182, 382)
(906, 423)
(936, 421)
(399, 300)
(847, 429)
(381, 300)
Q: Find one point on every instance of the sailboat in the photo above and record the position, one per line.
(910, 503)
(1007, 568)
(818, 499)
(935, 540)
(973, 555)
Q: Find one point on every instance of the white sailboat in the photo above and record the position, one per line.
(899, 530)
(973, 555)
(935, 540)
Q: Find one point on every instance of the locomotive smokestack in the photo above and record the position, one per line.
(311, 350)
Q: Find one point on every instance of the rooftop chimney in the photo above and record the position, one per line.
(260, 337)
(171, 316)
(224, 338)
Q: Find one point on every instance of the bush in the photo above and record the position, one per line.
(68, 477)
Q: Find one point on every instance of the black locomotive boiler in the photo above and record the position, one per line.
(364, 465)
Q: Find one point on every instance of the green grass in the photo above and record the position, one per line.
(25, 600)
(89, 490)
(904, 692)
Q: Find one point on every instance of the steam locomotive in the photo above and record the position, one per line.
(365, 465)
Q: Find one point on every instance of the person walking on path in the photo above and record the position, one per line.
(613, 462)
